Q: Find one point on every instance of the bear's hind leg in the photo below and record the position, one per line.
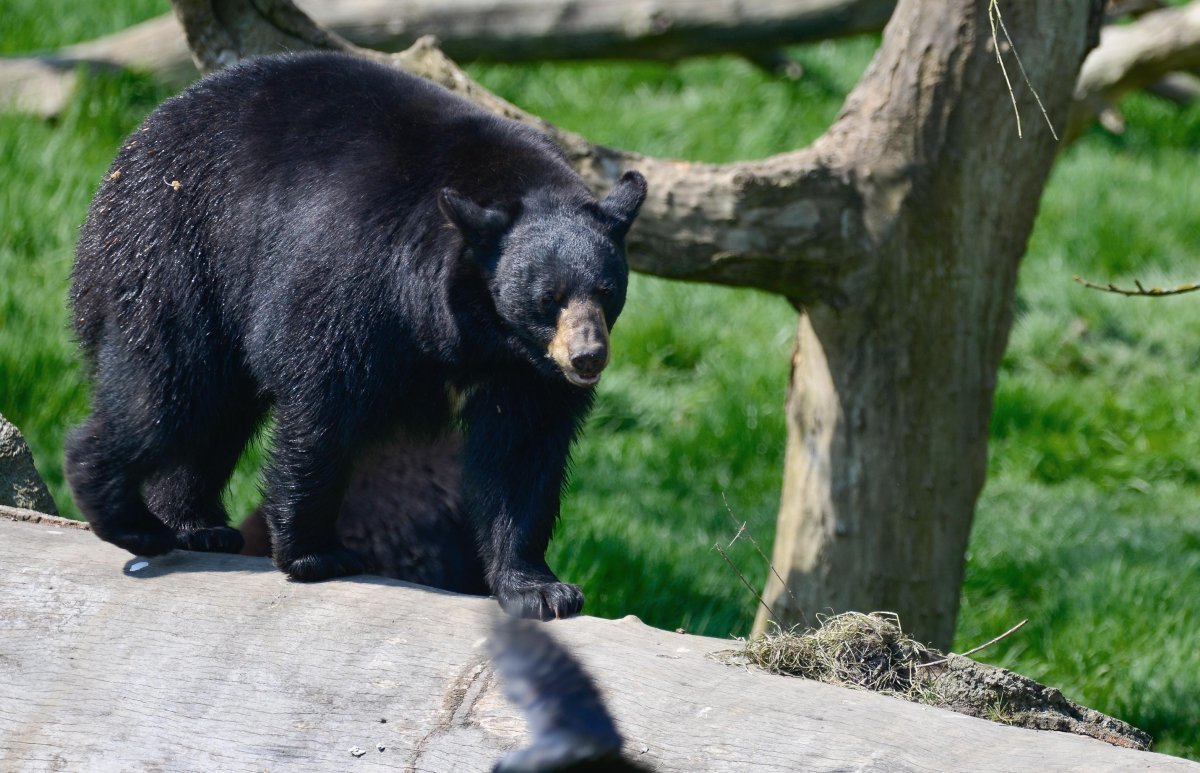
(105, 469)
(305, 483)
(187, 497)
(188, 500)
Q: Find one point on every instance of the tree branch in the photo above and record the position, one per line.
(1139, 290)
(1135, 56)
(504, 30)
(507, 30)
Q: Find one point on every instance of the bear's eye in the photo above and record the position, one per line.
(550, 299)
(605, 290)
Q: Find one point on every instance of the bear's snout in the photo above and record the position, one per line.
(580, 343)
(590, 360)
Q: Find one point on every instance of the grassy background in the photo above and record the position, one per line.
(1088, 525)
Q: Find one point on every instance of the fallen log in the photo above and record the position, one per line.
(214, 662)
(1132, 57)
(1147, 54)
(500, 30)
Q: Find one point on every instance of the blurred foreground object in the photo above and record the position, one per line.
(571, 728)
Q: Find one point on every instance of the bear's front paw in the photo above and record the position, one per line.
(325, 565)
(215, 539)
(541, 601)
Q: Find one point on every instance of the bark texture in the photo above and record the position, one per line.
(208, 662)
(538, 30)
(907, 219)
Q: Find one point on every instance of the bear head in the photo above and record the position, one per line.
(555, 270)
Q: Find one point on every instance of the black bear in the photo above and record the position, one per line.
(403, 510)
(366, 255)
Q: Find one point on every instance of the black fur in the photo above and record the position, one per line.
(571, 728)
(350, 247)
(403, 511)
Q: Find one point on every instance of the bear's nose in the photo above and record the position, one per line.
(589, 361)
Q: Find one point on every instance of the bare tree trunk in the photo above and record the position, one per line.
(539, 30)
(901, 230)
(891, 398)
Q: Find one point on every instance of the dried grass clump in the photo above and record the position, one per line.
(869, 651)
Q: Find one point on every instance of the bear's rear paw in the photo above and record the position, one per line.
(215, 539)
(313, 567)
(143, 543)
(149, 542)
(541, 601)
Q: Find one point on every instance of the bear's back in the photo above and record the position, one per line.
(285, 159)
(275, 134)
(321, 118)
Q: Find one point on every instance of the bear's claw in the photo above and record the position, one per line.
(215, 539)
(141, 543)
(541, 601)
(314, 567)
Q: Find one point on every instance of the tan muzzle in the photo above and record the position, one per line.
(580, 343)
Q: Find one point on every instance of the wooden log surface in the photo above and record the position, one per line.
(217, 662)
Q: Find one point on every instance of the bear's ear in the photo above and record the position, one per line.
(479, 226)
(622, 203)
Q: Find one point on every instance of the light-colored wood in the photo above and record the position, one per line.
(890, 398)
(211, 662)
(504, 30)
(1135, 56)
(539, 30)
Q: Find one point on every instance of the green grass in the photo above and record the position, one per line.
(1088, 526)
(36, 25)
